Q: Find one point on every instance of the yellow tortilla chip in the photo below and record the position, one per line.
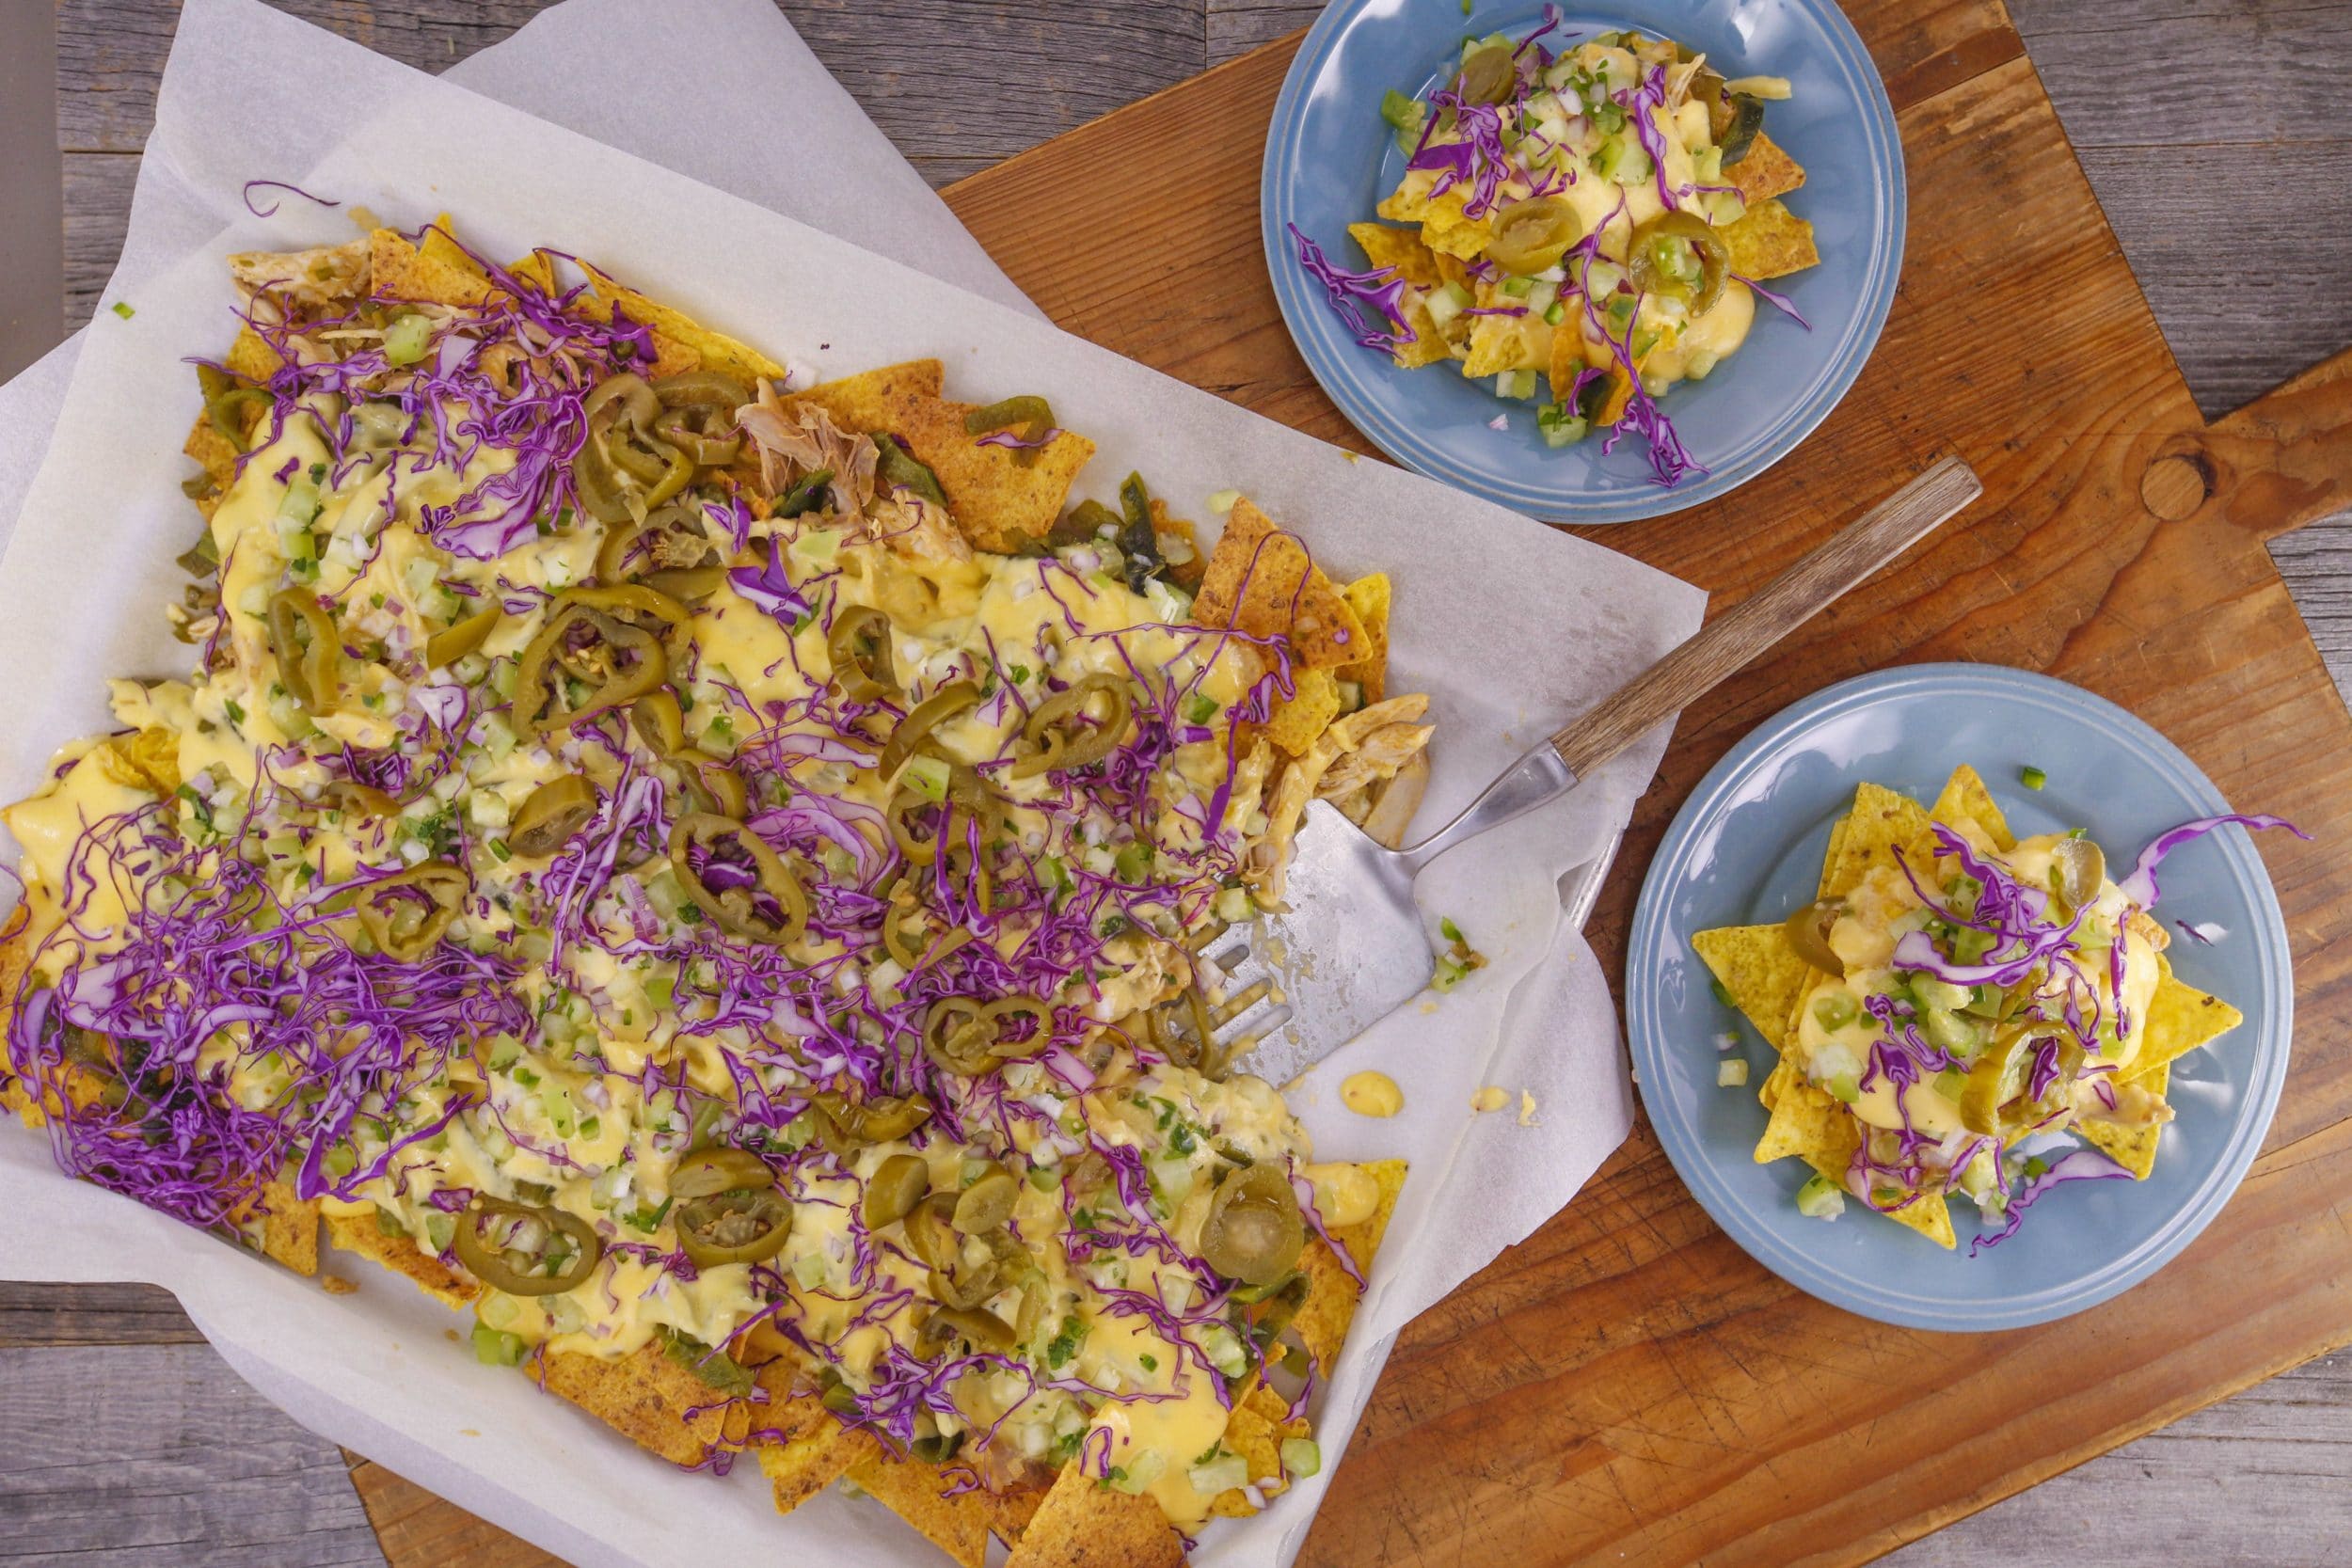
(1445, 229)
(360, 1233)
(214, 450)
(998, 503)
(1369, 597)
(1307, 713)
(289, 1228)
(1769, 241)
(399, 271)
(1807, 1122)
(1428, 343)
(644, 1396)
(252, 357)
(1261, 580)
(2180, 1019)
(1766, 172)
(716, 349)
(1400, 248)
(806, 1449)
(1966, 801)
(1831, 856)
(2133, 1147)
(440, 249)
(1882, 822)
(863, 402)
(1761, 971)
(1331, 1294)
(1930, 1215)
(1085, 1524)
(1499, 343)
(960, 1526)
(1255, 1431)
(1620, 385)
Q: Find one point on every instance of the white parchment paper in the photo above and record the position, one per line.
(1510, 627)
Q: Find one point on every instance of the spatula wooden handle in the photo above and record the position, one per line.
(1729, 642)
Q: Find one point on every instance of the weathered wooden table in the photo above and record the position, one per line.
(121, 1435)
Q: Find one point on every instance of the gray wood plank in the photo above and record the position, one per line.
(2263, 1481)
(97, 216)
(91, 1315)
(158, 1456)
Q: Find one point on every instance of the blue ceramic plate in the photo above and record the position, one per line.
(1331, 158)
(1747, 848)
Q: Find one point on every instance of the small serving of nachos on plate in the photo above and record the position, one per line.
(1586, 223)
(703, 871)
(1965, 1013)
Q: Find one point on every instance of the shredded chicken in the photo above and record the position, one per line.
(1400, 741)
(327, 276)
(916, 530)
(799, 438)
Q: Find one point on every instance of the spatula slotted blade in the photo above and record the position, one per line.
(1350, 950)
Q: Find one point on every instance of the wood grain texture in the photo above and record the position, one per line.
(2196, 124)
(416, 1529)
(91, 1315)
(2271, 1487)
(1749, 629)
(173, 1463)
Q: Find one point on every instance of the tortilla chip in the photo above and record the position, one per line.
(1566, 363)
(251, 357)
(399, 271)
(1761, 971)
(1427, 343)
(1769, 241)
(1400, 248)
(2180, 1019)
(1881, 822)
(289, 1228)
(1255, 1431)
(534, 271)
(863, 402)
(1084, 1523)
(998, 503)
(2133, 1147)
(440, 249)
(1766, 172)
(1966, 801)
(1331, 1294)
(215, 451)
(1807, 1122)
(1306, 714)
(1369, 597)
(1261, 580)
(360, 1233)
(1186, 574)
(1930, 1215)
(716, 349)
(1620, 384)
(644, 1396)
(1499, 343)
(1444, 229)
(804, 1450)
(960, 1526)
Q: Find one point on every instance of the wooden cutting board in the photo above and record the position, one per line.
(1626, 1386)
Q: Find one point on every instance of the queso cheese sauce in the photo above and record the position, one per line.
(652, 864)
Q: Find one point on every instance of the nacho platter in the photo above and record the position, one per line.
(692, 867)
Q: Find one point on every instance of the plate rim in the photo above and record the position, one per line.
(1876, 297)
(1865, 1297)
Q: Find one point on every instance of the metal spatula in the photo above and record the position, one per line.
(1351, 947)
